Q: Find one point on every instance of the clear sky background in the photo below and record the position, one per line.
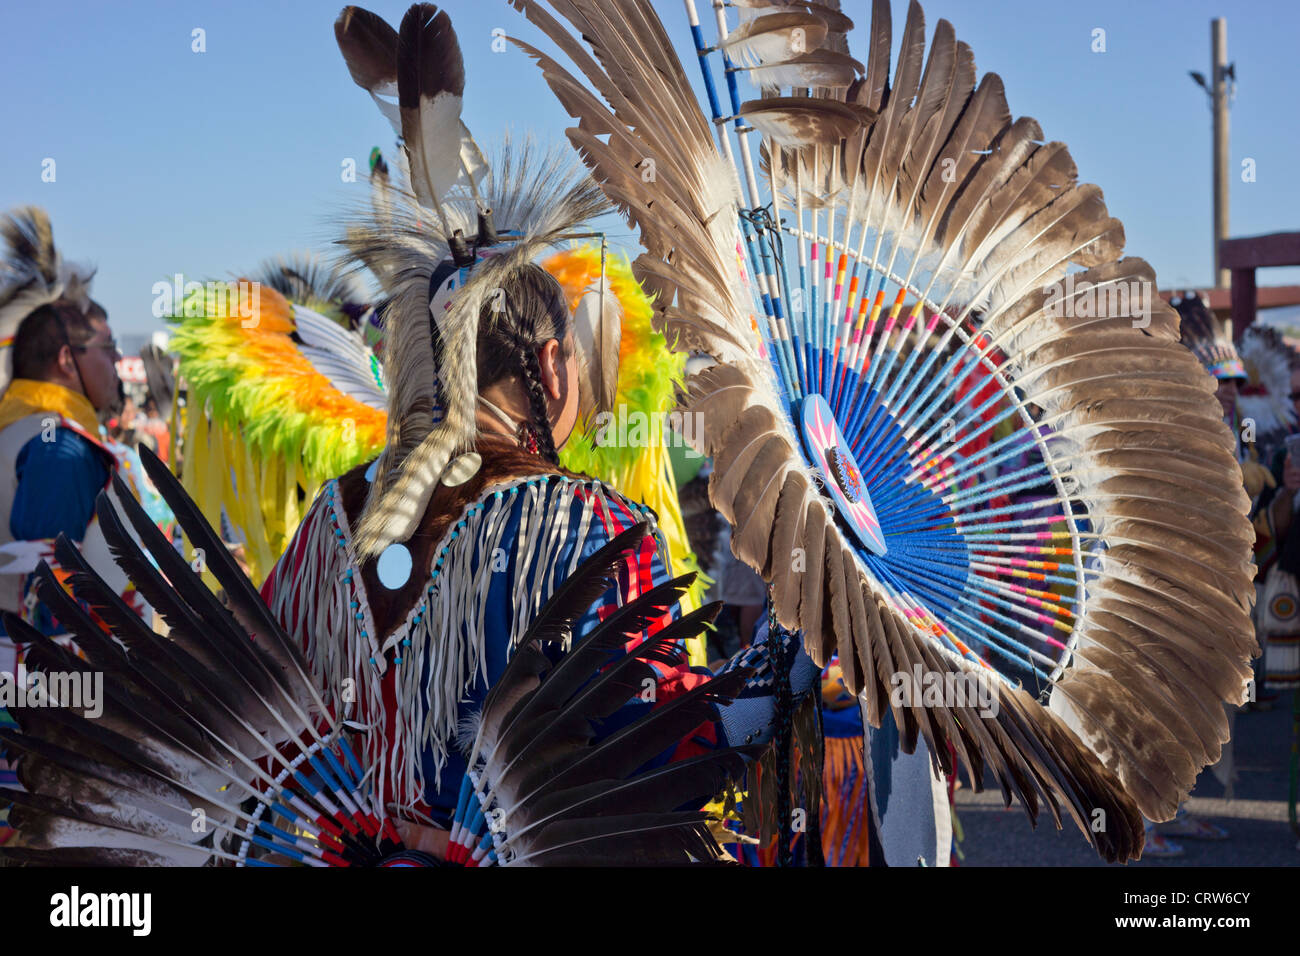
(168, 160)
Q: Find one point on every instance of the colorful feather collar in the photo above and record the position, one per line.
(26, 397)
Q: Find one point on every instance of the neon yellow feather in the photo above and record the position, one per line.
(258, 408)
(647, 376)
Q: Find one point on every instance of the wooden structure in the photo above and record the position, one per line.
(1242, 257)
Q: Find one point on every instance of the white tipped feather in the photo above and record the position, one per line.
(1266, 399)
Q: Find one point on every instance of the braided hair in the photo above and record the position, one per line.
(526, 313)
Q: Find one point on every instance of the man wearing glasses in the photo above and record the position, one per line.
(57, 373)
(53, 462)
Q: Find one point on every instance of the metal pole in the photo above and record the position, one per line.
(1219, 95)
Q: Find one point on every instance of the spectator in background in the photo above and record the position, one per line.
(1277, 552)
(52, 462)
(53, 459)
(155, 427)
(120, 426)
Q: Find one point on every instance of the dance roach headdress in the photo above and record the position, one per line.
(325, 288)
(292, 399)
(1208, 337)
(895, 233)
(442, 247)
(32, 274)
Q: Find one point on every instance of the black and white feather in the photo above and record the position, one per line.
(535, 199)
(207, 746)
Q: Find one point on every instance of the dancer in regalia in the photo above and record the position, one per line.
(413, 576)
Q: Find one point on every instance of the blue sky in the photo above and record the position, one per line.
(168, 160)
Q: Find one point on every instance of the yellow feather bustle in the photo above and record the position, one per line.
(261, 422)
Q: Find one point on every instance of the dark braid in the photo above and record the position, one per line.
(529, 311)
(541, 423)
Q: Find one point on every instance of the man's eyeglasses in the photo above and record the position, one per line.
(111, 345)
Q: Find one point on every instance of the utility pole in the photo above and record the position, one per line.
(1219, 95)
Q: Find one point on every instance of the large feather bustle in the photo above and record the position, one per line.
(192, 724)
(185, 718)
(954, 192)
(846, 611)
(564, 799)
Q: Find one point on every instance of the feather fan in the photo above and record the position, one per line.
(950, 424)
